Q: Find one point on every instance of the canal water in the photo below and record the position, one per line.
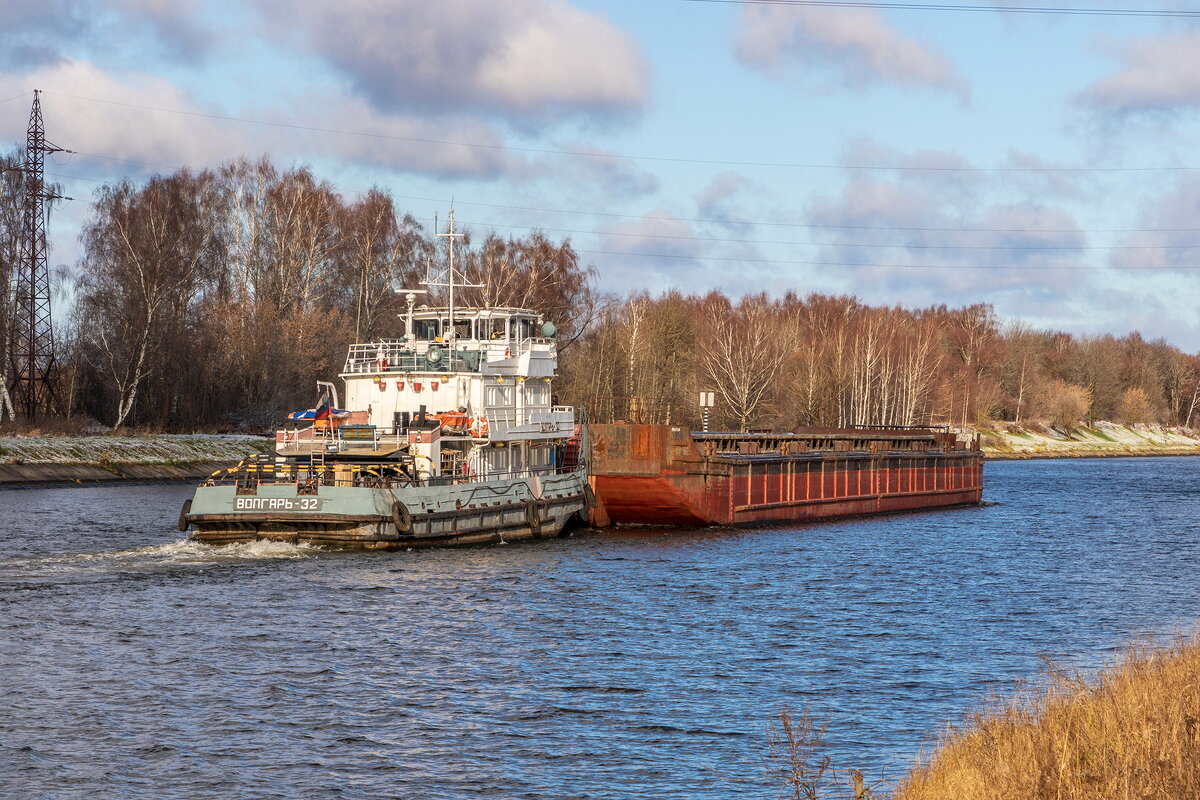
(630, 664)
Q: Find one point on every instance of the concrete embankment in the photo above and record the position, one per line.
(1103, 439)
(29, 460)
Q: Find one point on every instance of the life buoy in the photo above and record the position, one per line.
(479, 427)
(401, 517)
(183, 522)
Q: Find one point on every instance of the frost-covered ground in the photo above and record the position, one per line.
(1104, 438)
(158, 449)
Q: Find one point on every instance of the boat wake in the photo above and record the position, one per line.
(184, 551)
(187, 550)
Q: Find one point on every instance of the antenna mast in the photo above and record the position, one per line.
(450, 276)
(31, 352)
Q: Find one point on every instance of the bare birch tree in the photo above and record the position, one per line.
(740, 355)
(144, 254)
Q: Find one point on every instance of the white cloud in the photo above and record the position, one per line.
(856, 44)
(518, 59)
(110, 120)
(1159, 74)
(117, 128)
(718, 200)
(1168, 235)
(33, 34)
(922, 245)
(600, 176)
(36, 34)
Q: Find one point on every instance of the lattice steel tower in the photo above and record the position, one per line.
(31, 353)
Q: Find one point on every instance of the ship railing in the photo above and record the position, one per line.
(392, 356)
(543, 471)
(249, 475)
(507, 422)
(466, 355)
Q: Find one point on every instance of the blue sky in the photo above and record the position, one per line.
(1041, 163)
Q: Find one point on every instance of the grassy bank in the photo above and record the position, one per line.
(1132, 730)
(150, 449)
(1008, 441)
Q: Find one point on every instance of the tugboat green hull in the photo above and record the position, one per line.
(359, 517)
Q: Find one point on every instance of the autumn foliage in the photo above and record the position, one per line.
(216, 300)
(834, 361)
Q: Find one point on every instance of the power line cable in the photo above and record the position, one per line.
(853, 265)
(731, 240)
(618, 157)
(957, 7)
(17, 97)
(824, 226)
(881, 245)
(996, 267)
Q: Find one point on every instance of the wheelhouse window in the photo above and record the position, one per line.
(462, 328)
(521, 328)
(491, 328)
(427, 330)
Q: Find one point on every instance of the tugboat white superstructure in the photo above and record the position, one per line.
(452, 437)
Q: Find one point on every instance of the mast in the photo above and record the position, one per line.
(452, 280)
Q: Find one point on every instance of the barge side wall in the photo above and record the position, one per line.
(654, 474)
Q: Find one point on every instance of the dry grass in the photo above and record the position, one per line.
(1133, 731)
(802, 772)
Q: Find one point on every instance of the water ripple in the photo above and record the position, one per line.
(635, 663)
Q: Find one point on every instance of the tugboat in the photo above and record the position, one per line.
(448, 436)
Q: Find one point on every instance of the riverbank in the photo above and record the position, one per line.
(178, 457)
(94, 459)
(1131, 731)
(1002, 441)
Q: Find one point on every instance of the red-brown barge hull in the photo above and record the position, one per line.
(656, 474)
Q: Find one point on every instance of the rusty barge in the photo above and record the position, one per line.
(643, 473)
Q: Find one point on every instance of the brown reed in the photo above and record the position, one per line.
(1131, 731)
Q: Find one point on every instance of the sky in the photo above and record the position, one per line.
(1042, 163)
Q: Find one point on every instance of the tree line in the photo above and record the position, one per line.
(216, 299)
(826, 361)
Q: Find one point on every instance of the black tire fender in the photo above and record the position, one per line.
(183, 522)
(533, 513)
(401, 517)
